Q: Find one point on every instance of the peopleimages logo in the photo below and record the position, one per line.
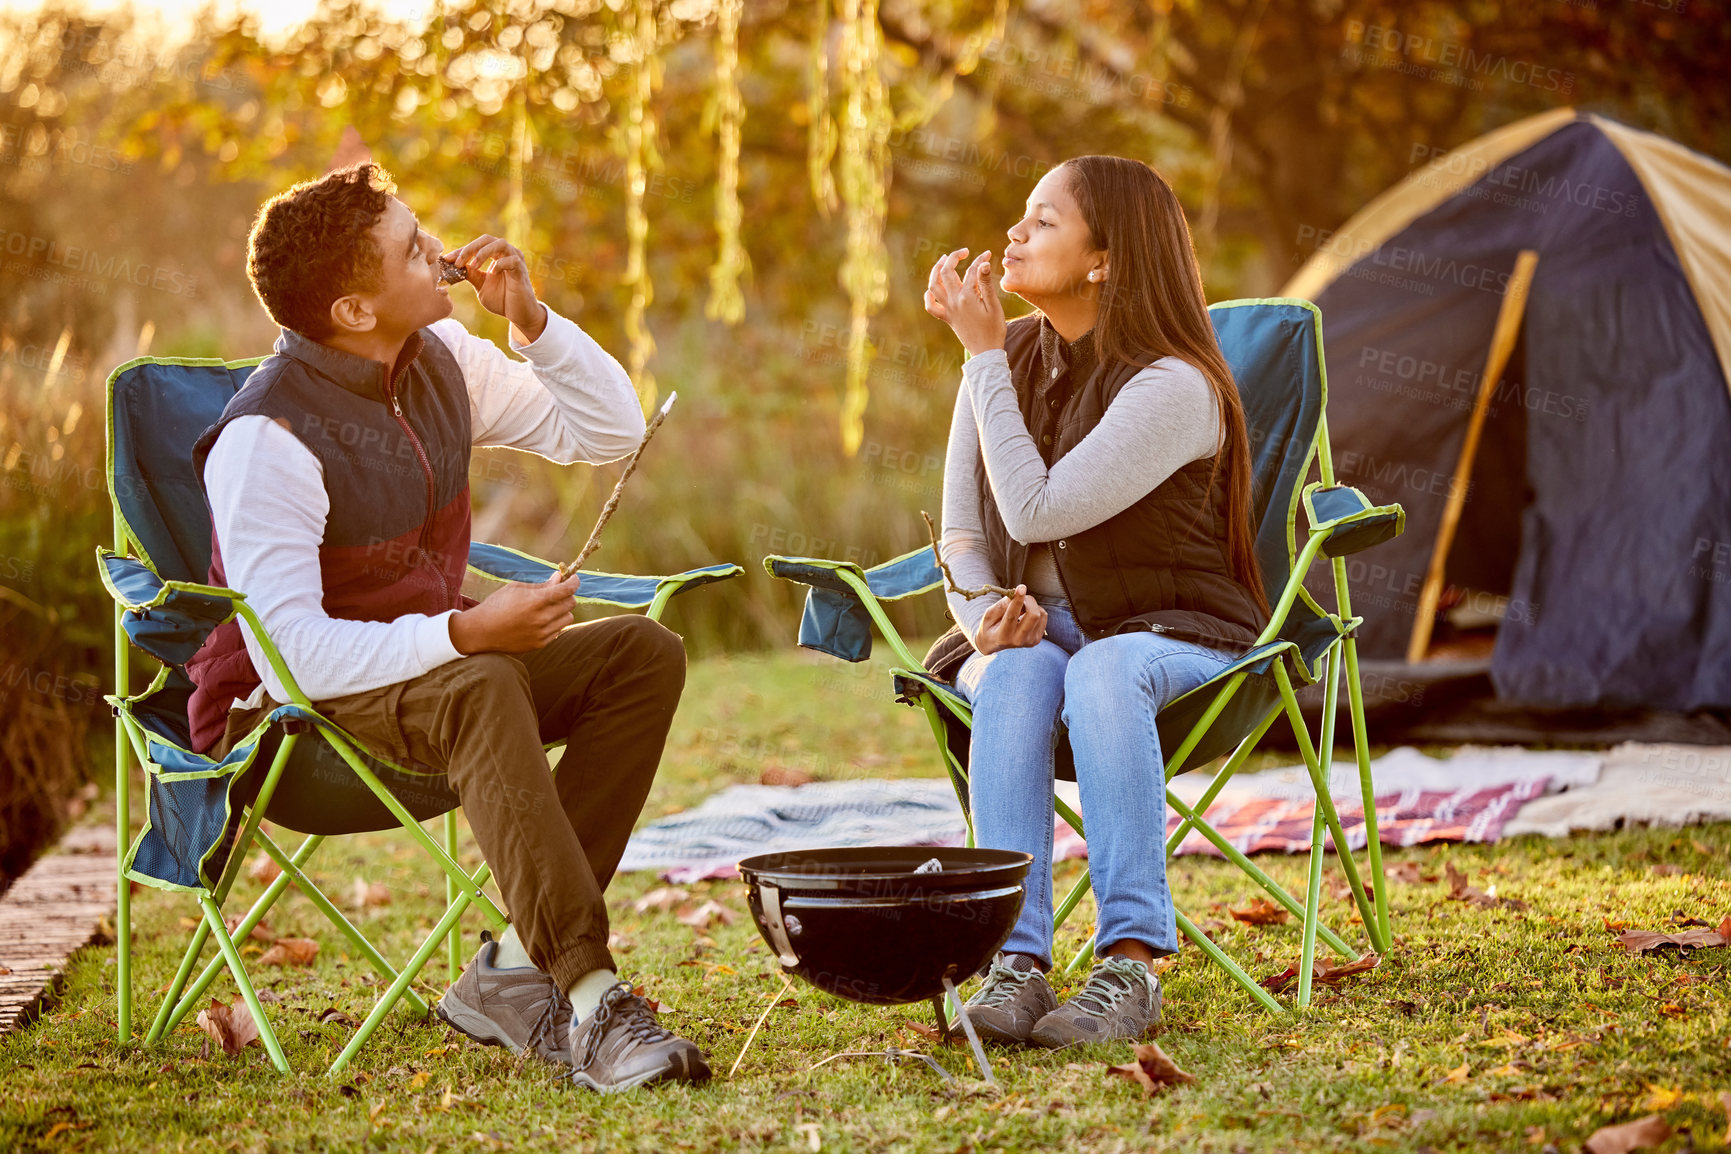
(1450, 61)
(88, 262)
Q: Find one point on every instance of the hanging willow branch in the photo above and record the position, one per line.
(639, 155)
(865, 174)
(725, 300)
(516, 214)
(820, 134)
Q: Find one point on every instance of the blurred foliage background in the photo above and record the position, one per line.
(741, 198)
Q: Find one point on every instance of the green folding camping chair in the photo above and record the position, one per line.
(296, 767)
(1275, 350)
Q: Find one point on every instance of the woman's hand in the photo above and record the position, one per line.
(968, 304)
(1015, 622)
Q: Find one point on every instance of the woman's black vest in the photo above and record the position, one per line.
(1160, 565)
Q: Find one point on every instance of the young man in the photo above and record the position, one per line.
(337, 480)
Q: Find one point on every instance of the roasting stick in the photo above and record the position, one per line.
(594, 541)
(950, 578)
(773, 1003)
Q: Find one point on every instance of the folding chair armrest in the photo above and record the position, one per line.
(135, 586)
(621, 590)
(844, 600)
(1347, 521)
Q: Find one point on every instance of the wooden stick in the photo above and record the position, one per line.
(594, 541)
(1503, 339)
(950, 578)
(773, 1002)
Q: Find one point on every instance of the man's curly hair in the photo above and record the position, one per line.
(313, 243)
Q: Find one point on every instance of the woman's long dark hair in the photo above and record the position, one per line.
(1152, 306)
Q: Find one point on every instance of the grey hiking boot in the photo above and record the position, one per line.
(518, 1007)
(623, 1045)
(1121, 1000)
(1015, 996)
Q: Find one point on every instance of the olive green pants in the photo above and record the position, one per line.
(609, 688)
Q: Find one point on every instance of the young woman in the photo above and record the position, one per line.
(1099, 466)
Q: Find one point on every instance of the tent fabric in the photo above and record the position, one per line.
(1692, 195)
(1440, 180)
(1600, 499)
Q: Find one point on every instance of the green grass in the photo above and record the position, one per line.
(1484, 1029)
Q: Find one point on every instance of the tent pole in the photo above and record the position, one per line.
(1503, 338)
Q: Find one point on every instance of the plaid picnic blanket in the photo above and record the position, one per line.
(748, 819)
(1258, 824)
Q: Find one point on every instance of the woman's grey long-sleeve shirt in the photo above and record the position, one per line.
(1162, 419)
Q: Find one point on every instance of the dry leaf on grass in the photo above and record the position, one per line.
(662, 898)
(703, 916)
(260, 933)
(334, 1016)
(1152, 1068)
(922, 1029)
(1725, 1101)
(1261, 912)
(1644, 941)
(1460, 891)
(1321, 971)
(1407, 873)
(777, 774)
(229, 1026)
(367, 894)
(1637, 1135)
(263, 868)
(290, 952)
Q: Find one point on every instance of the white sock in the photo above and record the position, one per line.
(511, 955)
(585, 993)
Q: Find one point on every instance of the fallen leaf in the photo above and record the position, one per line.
(1261, 912)
(1645, 941)
(334, 1016)
(290, 952)
(619, 943)
(1407, 873)
(777, 774)
(229, 1026)
(703, 916)
(263, 868)
(923, 1030)
(1725, 1101)
(1612, 926)
(662, 898)
(1460, 891)
(1636, 1135)
(1458, 1075)
(1661, 1098)
(1321, 971)
(366, 895)
(1152, 1068)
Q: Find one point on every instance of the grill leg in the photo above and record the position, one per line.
(968, 1026)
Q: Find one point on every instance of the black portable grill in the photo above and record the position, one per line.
(888, 925)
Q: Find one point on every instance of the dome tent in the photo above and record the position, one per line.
(1596, 522)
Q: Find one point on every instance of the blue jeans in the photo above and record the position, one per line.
(1107, 692)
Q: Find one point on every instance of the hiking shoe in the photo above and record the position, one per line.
(1121, 1000)
(623, 1045)
(518, 1007)
(1014, 997)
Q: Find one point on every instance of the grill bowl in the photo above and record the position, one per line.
(859, 923)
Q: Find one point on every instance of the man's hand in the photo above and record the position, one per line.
(504, 288)
(1015, 622)
(517, 617)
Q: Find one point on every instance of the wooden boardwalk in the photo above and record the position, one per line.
(57, 906)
